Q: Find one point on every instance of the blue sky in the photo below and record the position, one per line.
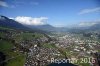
(56, 12)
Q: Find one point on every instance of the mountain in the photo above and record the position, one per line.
(81, 27)
(45, 27)
(95, 27)
(88, 27)
(6, 22)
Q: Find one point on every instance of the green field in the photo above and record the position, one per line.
(12, 58)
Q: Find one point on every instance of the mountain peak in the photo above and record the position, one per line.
(3, 17)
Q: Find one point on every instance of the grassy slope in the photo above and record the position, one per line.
(5, 47)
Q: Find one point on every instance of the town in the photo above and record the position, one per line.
(38, 49)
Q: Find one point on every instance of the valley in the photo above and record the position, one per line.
(21, 45)
(27, 48)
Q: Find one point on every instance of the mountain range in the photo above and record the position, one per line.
(10, 23)
(6, 22)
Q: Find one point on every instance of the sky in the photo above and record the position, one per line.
(54, 12)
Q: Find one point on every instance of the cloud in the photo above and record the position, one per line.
(3, 4)
(31, 21)
(84, 11)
